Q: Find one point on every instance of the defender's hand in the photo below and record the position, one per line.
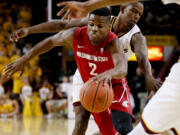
(18, 34)
(73, 9)
(152, 85)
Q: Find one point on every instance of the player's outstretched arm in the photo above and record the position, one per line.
(47, 27)
(140, 48)
(120, 63)
(62, 38)
(80, 9)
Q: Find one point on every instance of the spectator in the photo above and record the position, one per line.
(45, 93)
(59, 104)
(26, 90)
(9, 106)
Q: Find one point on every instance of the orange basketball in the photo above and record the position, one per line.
(96, 96)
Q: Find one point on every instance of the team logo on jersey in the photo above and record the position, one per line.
(78, 46)
(125, 104)
(102, 50)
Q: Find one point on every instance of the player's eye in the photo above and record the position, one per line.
(100, 26)
(91, 24)
(134, 11)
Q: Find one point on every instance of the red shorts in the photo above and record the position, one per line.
(121, 101)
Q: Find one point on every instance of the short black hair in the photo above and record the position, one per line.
(102, 12)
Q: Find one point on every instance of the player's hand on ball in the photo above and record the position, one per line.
(18, 34)
(105, 76)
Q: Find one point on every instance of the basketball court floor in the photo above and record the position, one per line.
(41, 126)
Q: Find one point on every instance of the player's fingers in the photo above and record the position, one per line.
(62, 11)
(19, 34)
(106, 81)
(65, 17)
(62, 4)
(157, 86)
(91, 80)
(102, 78)
(21, 72)
(148, 93)
(12, 37)
(8, 68)
(94, 78)
(9, 71)
(69, 18)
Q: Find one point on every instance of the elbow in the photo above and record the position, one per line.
(50, 41)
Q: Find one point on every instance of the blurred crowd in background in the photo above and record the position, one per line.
(49, 81)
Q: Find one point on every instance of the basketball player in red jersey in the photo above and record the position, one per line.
(124, 25)
(97, 51)
(128, 33)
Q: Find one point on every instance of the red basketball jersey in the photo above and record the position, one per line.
(91, 60)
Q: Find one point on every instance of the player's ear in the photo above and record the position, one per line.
(122, 8)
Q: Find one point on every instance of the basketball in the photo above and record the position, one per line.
(96, 96)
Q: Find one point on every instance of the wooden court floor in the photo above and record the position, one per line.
(42, 126)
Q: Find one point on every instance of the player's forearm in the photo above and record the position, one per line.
(95, 4)
(145, 67)
(119, 71)
(56, 26)
(38, 49)
(47, 27)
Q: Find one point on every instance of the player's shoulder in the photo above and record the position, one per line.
(135, 29)
(81, 30)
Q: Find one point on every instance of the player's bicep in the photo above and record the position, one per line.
(63, 38)
(140, 47)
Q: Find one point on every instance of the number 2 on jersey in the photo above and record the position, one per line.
(94, 67)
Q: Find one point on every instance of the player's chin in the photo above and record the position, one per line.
(94, 38)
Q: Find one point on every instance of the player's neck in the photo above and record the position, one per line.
(119, 28)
